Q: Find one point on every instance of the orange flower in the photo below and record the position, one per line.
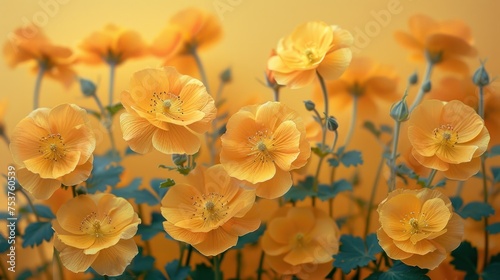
(365, 80)
(451, 88)
(30, 44)
(167, 111)
(418, 227)
(442, 43)
(53, 147)
(448, 137)
(312, 47)
(96, 231)
(112, 45)
(262, 144)
(301, 241)
(210, 211)
(188, 30)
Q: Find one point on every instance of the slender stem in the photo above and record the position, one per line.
(316, 179)
(30, 203)
(140, 212)
(325, 99)
(460, 186)
(107, 120)
(239, 257)
(485, 187)
(217, 272)
(188, 257)
(431, 178)
(5, 138)
(276, 92)
(112, 68)
(73, 191)
(395, 141)
(55, 257)
(201, 69)
(106, 277)
(353, 121)
(38, 83)
(372, 195)
(261, 264)
(421, 93)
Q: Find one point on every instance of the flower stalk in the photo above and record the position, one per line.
(38, 83)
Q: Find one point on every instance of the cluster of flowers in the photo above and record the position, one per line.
(261, 147)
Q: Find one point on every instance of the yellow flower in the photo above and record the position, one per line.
(301, 241)
(367, 81)
(187, 30)
(165, 111)
(112, 45)
(210, 211)
(312, 47)
(53, 147)
(443, 43)
(262, 144)
(96, 231)
(418, 227)
(30, 44)
(448, 137)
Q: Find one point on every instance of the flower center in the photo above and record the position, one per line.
(211, 207)
(356, 89)
(311, 55)
(168, 104)
(299, 240)
(415, 223)
(445, 136)
(261, 145)
(52, 147)
(91, 225)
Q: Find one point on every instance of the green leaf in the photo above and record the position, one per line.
(167, 183)
(326, 192)
(333, 162)
(149, 231)
(456, 202)
(43, 211)
(250, 238)
(496, 174)
(476, 210)
(301, 191)
(491, 272)
(465, 259)
(321, 150)
(176, 272)
(113, 109)
(202, 272)
(139, 195)
(494, 151)
(370, 126)
(351, 158)
(104, 173)
(155, 274)
(494, 228)
(4, 244)
(36, 233)
(354, 253)
(156, 187)
(400, 271)
(141, 263)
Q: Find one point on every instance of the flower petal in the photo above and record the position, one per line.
(138, 133)
(177, 140)
(275, 187)
(335, 63)
(40, 188)
(216, 242)
(113, 260)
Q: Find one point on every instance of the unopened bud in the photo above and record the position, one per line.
(399, 110)
(481, 77)
(179, 159)
(426, 87)
(413, 79)
(332, 124)
(226, 76)
(87, 87)
(309, 105)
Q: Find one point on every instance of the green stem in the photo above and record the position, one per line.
(395, 141)
(431, 178)
(201, 69)
(276, 92)
(112, 68)
(460, 186)
(107, 121)
(239, 257)
(140, 212)
(372, 195)
(38, 83)
(73, 191)
(421, 92)
(30, 203)
(261, 264)
(188, 257)
(353, 121)
(5, 138)
(325, 99)
(182, 248)
(485, 187)
(217, 272)
(211, 138)
(59, 265)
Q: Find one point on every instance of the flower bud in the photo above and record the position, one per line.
(179, 159)
(413, 79)
(87, 87)
(399, 110)
(332, 124)
(226, 76)
(481, 77)
(309, 105)
(426, 87)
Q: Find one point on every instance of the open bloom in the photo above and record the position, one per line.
(418, 227)
(448, 137)
(365, 80)
(53, 147)
(301, 241)
(262, 144)
(312, 47)
(30, 44)
(441, 43)
(209, 212)
(96, 231)
(165, 111)
(112, 45)
(187, 31)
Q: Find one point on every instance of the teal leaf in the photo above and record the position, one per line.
(400, 271)
(4, 244)
(476, 210)
(491, 272)
(155, 274)
(43, 211)
(250, 238)
(496, 174)
(354, 253)
(494, 228)
(139, 195)
(156, 186)
(202, 272)
(149, 231)
(456, 202)
(141, 263)
(370, 126)
(113, 109)
(301, 191)
(36, 233)
(494, 151)
(351, 158)
(326, 192)
(176, 272)
(465, 259)
(104, 174)
(333, 162)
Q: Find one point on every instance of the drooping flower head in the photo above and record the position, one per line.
(53, 147)
(312, 47)
(30, 44)
(166, 111)
(418, 227)
(442, 43)
(448, 137)
(210, 211)
(188, 30)
(262, 144)
(112, 45)
(96, 231)
(301, 241)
